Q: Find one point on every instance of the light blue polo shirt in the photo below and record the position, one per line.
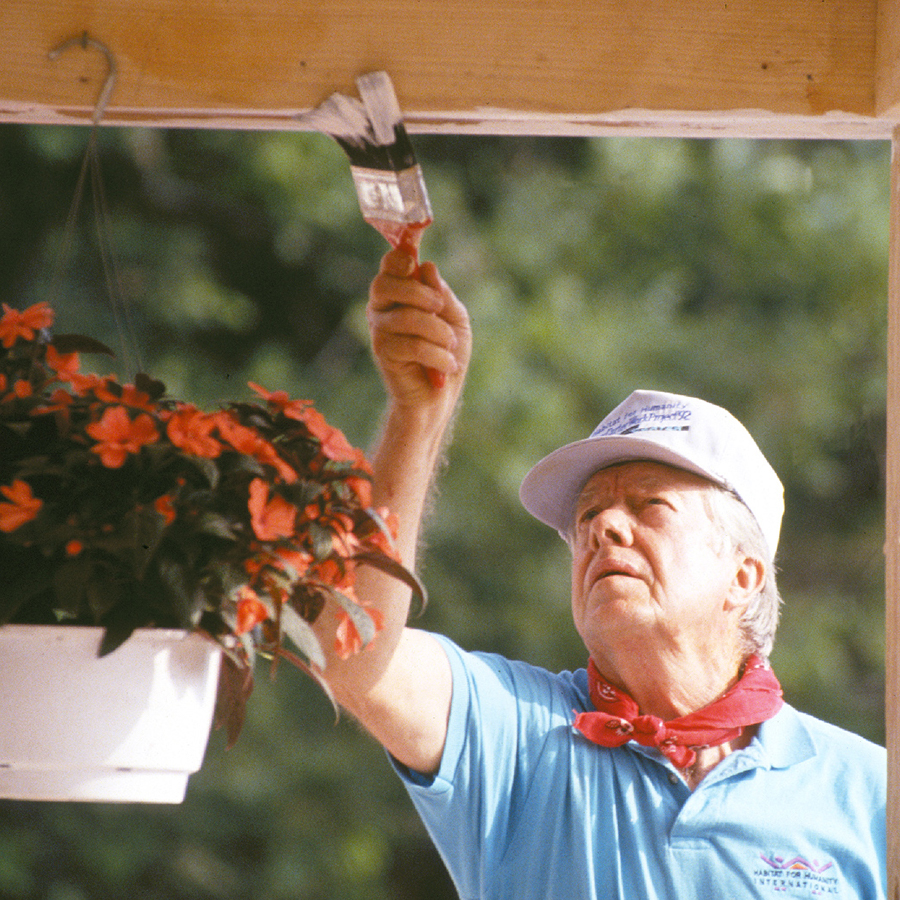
(525, 808)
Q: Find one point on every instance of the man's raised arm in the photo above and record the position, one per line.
(399, 687)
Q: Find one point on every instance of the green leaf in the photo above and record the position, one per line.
(303, 492)
(18, 592)
(216, 525)
(120, 625)
(241, 463)
(103, 594)
(79, 343)
(147, 528)
(151, 386)
(360, 618)
(321, 540)
(206, 467)
(235, 688)
(70, 582)
(188, 597)
(396, 570)
(299, 631)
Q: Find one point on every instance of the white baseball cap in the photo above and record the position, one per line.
(678, 431)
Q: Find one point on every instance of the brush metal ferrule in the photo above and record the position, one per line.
(392, 196)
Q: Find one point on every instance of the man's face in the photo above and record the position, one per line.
(650, 565)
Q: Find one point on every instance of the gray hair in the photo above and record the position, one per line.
(738, 526)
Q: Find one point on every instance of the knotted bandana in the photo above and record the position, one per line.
(755, 698)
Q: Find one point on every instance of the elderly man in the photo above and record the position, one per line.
(670, 767)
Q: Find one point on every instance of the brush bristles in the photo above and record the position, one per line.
(370, 132)
(380, 100)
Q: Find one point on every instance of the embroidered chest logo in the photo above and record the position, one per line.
(798, 876)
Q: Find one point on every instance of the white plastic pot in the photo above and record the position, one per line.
(130, 727)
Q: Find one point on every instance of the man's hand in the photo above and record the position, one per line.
(417, 324)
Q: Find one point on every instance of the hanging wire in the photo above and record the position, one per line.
(91, 165)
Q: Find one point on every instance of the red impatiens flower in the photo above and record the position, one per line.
(334, 445)
(65, 365)
(15, 324)
(243, 439)
(84, 384)
(340, 575)
(296, 561)
(20, 390)
(250, 610)
(118, 435)
(190, 430)
(360, 485)
(163, 505)
(60, 401)
(136, 399)
(271, 519)
(347, 640)
(246, 440)
(281, 400)
(23, 508)
(380, 541)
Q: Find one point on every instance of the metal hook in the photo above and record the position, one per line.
(85, 41)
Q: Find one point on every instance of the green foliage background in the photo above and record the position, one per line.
(751, 273)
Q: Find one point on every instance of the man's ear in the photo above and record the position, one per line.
(749, 578)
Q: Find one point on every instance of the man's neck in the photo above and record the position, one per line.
(670, 684)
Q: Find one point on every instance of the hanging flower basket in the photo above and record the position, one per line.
(124, 509)
(130, 726)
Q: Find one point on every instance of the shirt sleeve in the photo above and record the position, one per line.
(501, 716)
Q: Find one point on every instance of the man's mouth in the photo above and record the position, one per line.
(611, 569)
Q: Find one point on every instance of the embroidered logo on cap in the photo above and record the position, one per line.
(675, 416)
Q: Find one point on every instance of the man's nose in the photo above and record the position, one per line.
(612, 525)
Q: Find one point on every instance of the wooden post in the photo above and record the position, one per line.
(892, 532)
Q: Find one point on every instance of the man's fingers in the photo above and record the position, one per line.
(390, 290)
(398, 263)
(397, 351)
(430, 276)
(451, 309)
(410, 322)
(420, 330)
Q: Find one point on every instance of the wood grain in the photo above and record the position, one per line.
(533, 66)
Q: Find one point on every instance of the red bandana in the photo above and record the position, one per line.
(755, 698)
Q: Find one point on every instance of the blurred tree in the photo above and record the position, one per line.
(751, 273)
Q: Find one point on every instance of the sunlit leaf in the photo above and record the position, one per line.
(304, 638)
(396, 570)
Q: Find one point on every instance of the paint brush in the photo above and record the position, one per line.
(388, 180)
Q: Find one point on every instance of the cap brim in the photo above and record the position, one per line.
(551, 489)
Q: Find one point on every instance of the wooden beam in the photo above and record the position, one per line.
(663, 67)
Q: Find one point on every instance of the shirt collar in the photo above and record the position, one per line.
(784, 740)
(781, 742)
